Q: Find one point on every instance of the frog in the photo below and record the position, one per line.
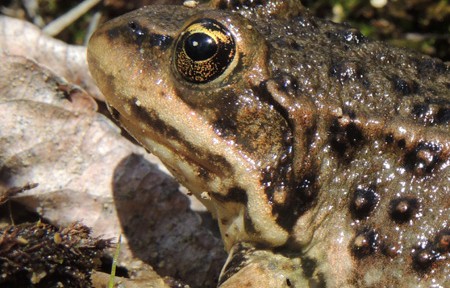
(323, 155)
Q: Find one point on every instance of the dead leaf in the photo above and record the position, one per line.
(21, 38)
(51, 134)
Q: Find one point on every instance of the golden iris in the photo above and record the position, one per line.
(203, 51)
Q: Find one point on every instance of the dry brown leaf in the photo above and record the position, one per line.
(21, 38)
(86, 171)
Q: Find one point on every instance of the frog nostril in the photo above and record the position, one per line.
(132, 25)
(136, 28)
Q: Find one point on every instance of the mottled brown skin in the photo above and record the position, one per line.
(325, 155)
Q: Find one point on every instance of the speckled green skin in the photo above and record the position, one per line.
(351, 140)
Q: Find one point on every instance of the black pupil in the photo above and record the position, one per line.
(200, 46)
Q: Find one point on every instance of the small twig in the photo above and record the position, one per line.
(425, 36)
(59, 24)
(6, 195)
(92, 26)
(32, 8)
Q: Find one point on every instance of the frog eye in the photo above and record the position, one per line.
(204, 51)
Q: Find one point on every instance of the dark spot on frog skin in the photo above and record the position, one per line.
(295, 46)
(443, 116)
(309, 270)
(204, 174)
(429, 66)
(432, 116)
(405, 87)
(363, 202)
(222, 5)
(365, 243)
(283, 42)
(287, 84)
(226, 126)
(389, 139)
(345, 71)
(403, 209)
(420, 110)
(298, 202)
(344, 139)
(423, 159)
(424, 258)
(309, 265)
(401, 143)
(307, 188)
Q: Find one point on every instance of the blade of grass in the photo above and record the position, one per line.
(114, 264)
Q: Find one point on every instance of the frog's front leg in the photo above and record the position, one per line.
(250, 266)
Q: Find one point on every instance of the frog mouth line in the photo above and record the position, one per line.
(202, 166)
(158, 131)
